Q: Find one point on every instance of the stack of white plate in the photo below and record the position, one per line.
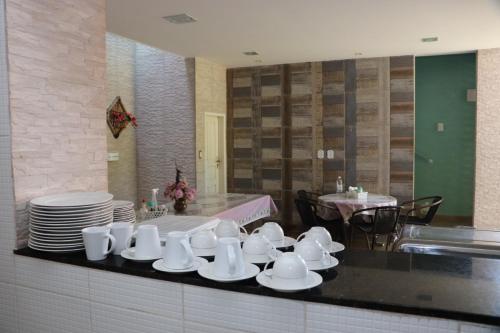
(56, 221)
(123, 211)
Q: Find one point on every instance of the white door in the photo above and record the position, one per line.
(213, 154)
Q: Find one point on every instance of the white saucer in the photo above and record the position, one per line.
(336, 247)
(204, 252)
(161, 266)
(316, 265)
(286, 242)
(313, 280)
(130, 255)
(206, 271)
(259, 258)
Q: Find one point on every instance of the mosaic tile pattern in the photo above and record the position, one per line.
(279, 116)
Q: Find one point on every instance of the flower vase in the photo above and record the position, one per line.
(180, 205)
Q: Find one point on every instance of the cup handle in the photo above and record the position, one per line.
(244, 230)
(272, 253)
(256, 230)
(129, 240)
(113, 244)
(301, 235)
(189, 251)
(267, 272)
(232, 259)
(326, 259)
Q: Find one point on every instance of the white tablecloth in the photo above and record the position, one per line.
(347, 206)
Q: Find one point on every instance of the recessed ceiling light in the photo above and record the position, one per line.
(358, 54)
(429, 39)
(250, 53)
(180, 18)
(258, 61)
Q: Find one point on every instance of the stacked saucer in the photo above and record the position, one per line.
(123, 211)
(56, 221)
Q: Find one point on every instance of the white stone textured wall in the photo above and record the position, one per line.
(211, 93)
(57, 68)
(122, 174)
(487, 188)
(164, 105)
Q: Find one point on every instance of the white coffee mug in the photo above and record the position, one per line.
(272, 231)
(289, 270)
(122, 232)
(204, 239)
(257, 244)
(147, 242)
(311, 250)
(229, 262)
(320, 234)
(178, 253)
(229, 228)
(96, 241)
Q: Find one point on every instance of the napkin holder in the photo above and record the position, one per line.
(353, 193)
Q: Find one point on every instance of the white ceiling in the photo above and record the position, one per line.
(287, 31)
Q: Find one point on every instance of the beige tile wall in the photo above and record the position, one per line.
(210, 83)
(122, 174)
(487, 190)
(57, 68)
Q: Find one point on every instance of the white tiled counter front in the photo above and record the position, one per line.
(60, 298)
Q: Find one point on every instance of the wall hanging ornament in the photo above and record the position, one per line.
(118, 118)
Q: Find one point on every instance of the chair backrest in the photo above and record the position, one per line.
(385, 220)
(303, 194)
(306, 212)
(431, 208)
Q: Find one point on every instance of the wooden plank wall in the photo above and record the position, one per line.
(279, 116)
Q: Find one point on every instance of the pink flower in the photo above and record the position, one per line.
(179, 194)
(190, 196)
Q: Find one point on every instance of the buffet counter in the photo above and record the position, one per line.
(402, 288)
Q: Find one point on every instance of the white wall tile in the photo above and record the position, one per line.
(322, 318)
(41, 311)
(473, 328)
(7, 268)
(110, 319)
(239, 311)
(192, 327)
(51, 276)
(8, 314)
(136, 293)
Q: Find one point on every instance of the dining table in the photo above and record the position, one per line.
(346, 205)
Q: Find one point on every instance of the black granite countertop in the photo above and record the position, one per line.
(466, 289)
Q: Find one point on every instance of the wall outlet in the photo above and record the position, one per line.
(113, 156)
(321, 154)
(330, 154)
(440, 127)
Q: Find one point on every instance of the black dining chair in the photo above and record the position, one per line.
(383, 222)
(420, 211)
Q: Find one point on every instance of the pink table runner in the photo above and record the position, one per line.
(347, 206)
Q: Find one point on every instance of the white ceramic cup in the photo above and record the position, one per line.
(289, 270)
(272, 231)
(257, 244)
(204, 239)
(178, 253)
(147, 242)
(311, 250)
(229, 228)
(320, 234)
(229, 262)
(96, 241)
(122, 232)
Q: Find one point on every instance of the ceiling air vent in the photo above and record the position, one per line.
(180, 18)
(250, 53)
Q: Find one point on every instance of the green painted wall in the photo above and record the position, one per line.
(441, 84)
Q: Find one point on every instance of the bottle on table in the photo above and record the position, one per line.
(340, 185)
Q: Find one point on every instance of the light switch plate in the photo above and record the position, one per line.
(330, 154)
(113, 156)
(440, 127)
(321, 154)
